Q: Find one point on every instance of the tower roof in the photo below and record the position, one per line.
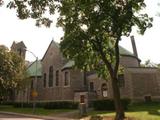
(18, 45)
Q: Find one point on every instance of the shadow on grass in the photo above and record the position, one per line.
(153, 108)
(154, 112)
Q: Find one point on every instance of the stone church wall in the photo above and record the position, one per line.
(143, 82)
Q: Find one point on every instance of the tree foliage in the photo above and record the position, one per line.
(12, 71)
(93, 29)
(88, 22)
(36, 9)
(149, 63)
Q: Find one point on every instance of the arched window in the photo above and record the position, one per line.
(66, 78)
(50, 76)
(121, 80)
(44, 80)
(91, 86)
(57, 78)
(104, 90)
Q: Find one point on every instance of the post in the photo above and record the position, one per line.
(35, 88)
(34, 91)
(82, 106)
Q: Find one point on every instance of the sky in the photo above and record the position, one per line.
(38, 39)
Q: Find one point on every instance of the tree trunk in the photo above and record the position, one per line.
(117, 101)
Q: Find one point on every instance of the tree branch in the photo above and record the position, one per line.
(102, 54)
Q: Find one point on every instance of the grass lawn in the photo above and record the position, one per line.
(38, 111)
(139, 111)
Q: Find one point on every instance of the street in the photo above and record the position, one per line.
(16, 117)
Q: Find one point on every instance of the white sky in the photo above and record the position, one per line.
(37, 39)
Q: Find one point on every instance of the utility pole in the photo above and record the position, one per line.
(34, 90)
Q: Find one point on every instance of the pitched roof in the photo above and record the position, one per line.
(31, 70)
(69, 64)
(52, 42)
(122, 51)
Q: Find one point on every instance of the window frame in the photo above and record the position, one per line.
(57, 80)
(64, 78)
(44, 80)
(50, 77)
(104, 89)
(91, 90)
(121, 80)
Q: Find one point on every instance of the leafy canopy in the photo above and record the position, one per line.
(12, 69)
(36, 9)
(93, 29)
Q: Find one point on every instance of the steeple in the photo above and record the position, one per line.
(19, 48)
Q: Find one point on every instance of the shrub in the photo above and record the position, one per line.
(48, 105)
(6, 103)
(61, 105)
(40, 104)
(22, 104)
(125, 103)
(108, 104)
(103, 104)
(28, 104)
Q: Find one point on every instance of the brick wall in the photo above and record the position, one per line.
(129, 61)
(143, 82)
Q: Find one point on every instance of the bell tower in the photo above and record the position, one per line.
(19, 48)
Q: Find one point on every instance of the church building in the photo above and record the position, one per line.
(55, 79)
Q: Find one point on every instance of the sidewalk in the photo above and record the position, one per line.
(38, 116)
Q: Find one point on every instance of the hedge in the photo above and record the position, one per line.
(20, 104)
(61, 105)
(49, 105)
(108, 104)
(6, 103)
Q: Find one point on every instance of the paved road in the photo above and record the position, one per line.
(16, 117)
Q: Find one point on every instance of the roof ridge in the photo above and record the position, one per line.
(47, 49)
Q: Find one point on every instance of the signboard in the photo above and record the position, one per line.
(34, 93)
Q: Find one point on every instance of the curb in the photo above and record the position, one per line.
(36, 116)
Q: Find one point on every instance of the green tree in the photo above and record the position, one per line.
(93, 29)
(12, 72)
(149, 63)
